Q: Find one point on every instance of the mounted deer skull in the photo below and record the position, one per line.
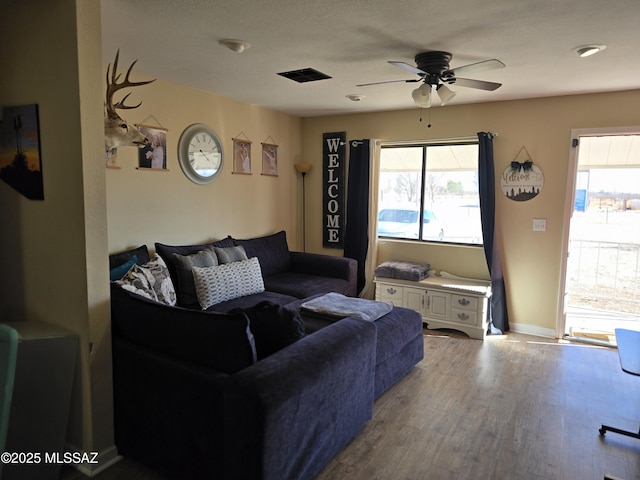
(117, 132)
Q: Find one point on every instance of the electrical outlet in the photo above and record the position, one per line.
(539, 224)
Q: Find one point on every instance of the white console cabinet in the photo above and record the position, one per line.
(446, 301)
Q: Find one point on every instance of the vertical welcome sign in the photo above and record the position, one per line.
(333, 173)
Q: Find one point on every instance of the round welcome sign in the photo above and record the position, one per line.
(521, 181)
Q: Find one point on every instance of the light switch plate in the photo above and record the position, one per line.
(539, 224)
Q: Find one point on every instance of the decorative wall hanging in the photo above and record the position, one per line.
(117, 133)
(521, 180)
(270, 158)
(154, 154)
(20, 160)
(241, 156)
(333, 173)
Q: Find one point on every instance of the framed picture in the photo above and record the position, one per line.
(241, 156)
(20, 161)
(154, 154)
(270, 159)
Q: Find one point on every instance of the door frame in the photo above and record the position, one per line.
(572, 173)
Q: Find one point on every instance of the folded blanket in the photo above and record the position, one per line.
(338, 305)
(403, 270)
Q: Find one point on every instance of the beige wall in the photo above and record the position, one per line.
(531, 260)
(164, 206)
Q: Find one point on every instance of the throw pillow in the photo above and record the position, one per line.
(150, 280)
(273, 327)
(120, 271)
(230, 280)
(187, 296)
(231, 254)
(117, 259)
(167, 251)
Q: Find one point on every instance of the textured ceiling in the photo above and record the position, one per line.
(352, 40)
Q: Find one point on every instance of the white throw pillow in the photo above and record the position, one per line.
(227, 281)
(151, 280)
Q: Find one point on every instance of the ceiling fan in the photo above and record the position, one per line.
(432, 68)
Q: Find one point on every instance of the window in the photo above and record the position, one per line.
(439, 180)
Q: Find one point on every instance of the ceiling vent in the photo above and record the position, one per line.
(304, 75)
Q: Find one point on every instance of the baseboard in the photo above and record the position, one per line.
(532, 330)
(105, 458)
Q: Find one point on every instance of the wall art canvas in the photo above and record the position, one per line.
(241, 156)
(154, 154)
(20, 159)
(269, 159)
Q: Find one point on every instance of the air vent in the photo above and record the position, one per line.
(304, 75)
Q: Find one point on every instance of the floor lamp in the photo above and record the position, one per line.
(303, 169)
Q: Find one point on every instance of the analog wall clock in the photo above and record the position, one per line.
(200, 153)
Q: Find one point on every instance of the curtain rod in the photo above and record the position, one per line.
(467, 138)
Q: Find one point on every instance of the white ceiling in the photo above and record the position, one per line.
(351, 40)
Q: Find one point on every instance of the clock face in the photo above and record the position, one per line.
(200, 154)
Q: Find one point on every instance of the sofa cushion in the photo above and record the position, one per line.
(302, 285)
(150, 280)
(118, 272)
(252, 300)
(230, 280)
(273, 327)
(167, 251)
(271, 250)
(231, 254)
(187, 296)
(117, 259)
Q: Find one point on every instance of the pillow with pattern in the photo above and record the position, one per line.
(150, 280)
(229, 280)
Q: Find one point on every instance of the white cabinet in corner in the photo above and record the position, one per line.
(444, 302)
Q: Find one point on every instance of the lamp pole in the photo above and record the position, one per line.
(303, 169)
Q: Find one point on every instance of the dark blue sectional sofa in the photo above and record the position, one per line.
(251, 388)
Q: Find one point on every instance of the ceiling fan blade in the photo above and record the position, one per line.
(408, 67)
(479, 84)
(473, 68)
(389, 81)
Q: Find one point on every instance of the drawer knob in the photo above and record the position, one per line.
(463, 316)
(464, 302)
(391, 290)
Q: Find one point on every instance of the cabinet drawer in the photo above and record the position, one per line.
(467, 317)
(391, 293)
(464, 302)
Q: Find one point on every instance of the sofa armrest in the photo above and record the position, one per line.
(290, 413)
(326, 266)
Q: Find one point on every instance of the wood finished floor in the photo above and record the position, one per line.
(513, 407)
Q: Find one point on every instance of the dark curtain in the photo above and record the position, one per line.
(356, 237)
(486, 183)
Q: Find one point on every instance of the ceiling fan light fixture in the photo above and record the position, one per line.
(422, 95)
(445, 94)
(234, 45)
(588, 50)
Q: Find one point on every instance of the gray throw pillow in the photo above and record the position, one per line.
(231, 254)
(187, 296)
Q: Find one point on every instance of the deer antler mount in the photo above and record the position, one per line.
(117, 132)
